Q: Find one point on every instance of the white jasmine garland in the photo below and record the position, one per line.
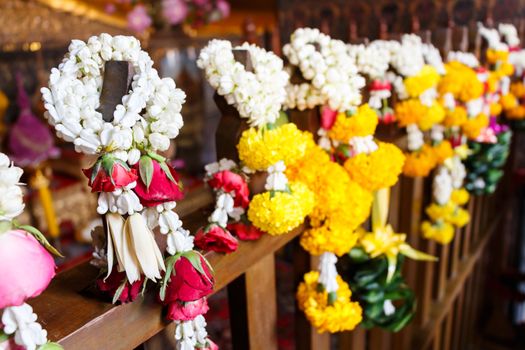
(328, 272)
(11, 200)
(428, 97)
(221, 165)
(22, 322)
(467, 58)
(276, 180)
(388, 307)
(192, 334)
(73, 98)
(179, 241)
(492, 37)
(407, 58)
(257, 95)
(509, 33)
(414, 137)
(457, 171)
(372, 60)
(437, 133)
(442, 186)
(432, 57)
(122, 200)
(303, 96)
(363, 144)
(330, 69)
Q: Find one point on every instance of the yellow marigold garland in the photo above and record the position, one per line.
(427, 78)
(441, 232)
(473, 126)
(455, 117)
(378, 169)
(341, 315)
(420, 163)
(279, 212)
(442, 151)
(362, 123)
(259, 149)
(412, 111)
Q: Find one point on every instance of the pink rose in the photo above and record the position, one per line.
(112, 283)
(109, 174)
(161, 189)
(378, 85)
(224, 8)
(186, 311)
(229, 181)
(26, 268)
(187, 283)
(245, 232)
(217, 239)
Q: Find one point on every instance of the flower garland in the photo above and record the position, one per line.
(257, 95)
(232, 199)
(137, 187)
(329, 70)
(26, 265)
(325, 299)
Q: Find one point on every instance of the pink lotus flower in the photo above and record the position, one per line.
(138, 19)
(25, 266)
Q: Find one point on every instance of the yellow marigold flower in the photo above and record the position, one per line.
(495, 109)
(508, 101)
(440, 212)
(494, 56)
(341, 315)
(473, 126)
(455, 117)
(331, 237)
(460, 196)
(280, 212)
(378, 169)
(517, 89)
(461, 81)
(419, 163)
(441, 232)
(442, 151)
(409, 111)
(516, 113)
(434, 115)
(492, 82)
(459, 218)
(362, 123)
(259, 149)
(505, 69)
(427, 78)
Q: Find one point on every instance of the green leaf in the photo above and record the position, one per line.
(170, 263)
(167, 171)
(157, 157)
(332, 297)
(41, 238)
(3, 336)
(119, 290)
(146, 170)
(51, 346)
(283, 119)
(5, 226)
(195, 259)
(95, 171)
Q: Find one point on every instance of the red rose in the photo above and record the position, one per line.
(113, 282)
(109, 174)
(217, 239)
(328, 117)
(245, 232)
(186, 282)
(181, 311)
(229, 181)
(388, 118)
(162, 188)
(380, 85)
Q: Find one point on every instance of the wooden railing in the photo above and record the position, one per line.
(448, 291)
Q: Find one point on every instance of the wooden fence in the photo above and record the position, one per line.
(448, 291)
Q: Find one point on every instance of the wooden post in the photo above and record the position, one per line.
(253, 307)
(117, 79)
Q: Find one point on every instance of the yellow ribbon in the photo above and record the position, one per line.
(41, 183)
(383, 240)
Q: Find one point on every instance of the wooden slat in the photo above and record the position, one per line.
(465, 249)
(425, 297)
(442, 271)
(440, 309)
(253, 307)
(458, 321)
(379, 339)
(447, 331)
